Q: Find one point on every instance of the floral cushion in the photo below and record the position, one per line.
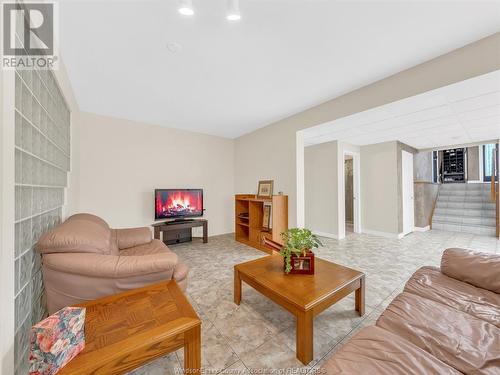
(56, 340)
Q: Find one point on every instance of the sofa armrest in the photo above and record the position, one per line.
(478, 269)
(130, 237)
(109, 266)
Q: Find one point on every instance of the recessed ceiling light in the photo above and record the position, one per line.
(186, 7)
(233, 10)
(173, 47)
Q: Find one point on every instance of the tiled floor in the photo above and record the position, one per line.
(259, 334)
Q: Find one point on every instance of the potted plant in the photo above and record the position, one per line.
(296, 250)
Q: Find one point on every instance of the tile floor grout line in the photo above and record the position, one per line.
(371, 254)
(217, 329)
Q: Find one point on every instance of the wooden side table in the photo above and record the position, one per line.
(128, 330)
(171, 227)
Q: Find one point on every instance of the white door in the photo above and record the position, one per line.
(407, 190)
(356, 198)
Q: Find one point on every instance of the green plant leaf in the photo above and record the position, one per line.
(297, 241)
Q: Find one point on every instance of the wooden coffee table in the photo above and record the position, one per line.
(305, 296)
(127, 330)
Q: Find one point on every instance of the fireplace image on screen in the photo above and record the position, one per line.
(178, 203)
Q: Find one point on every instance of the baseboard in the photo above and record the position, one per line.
(422, 229)
(325, 234)
(383, 234)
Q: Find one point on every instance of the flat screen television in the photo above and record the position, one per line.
(178, 203)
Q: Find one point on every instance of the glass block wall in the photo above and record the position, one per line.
(42, 161)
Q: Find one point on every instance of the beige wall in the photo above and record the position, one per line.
(473, 173)
(122, 162)
(422, 166)
(379, 188)
(323, 180)
(269, 153)
(321, 188)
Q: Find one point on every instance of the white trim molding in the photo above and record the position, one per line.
(422, 229)
(481, 161)
(383, 234)
(325, 234)
(300, 179)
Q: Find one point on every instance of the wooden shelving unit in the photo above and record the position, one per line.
(249, 215)
(454, 165)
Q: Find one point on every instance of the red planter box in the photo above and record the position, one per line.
(303, 264)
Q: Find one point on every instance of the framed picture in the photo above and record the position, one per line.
(266, 218)
(265, 189)
(303, 264)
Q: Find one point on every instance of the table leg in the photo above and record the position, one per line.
(192, 351)
(237, 287)
(304, 337)
(360, 297)
(157, 233)
(205, 232)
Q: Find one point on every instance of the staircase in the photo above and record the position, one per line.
(465, 208)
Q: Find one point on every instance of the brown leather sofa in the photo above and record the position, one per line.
(83, 259)
(446, 321)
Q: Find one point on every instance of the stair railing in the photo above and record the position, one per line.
(434, 206)
(494, 187)
(493, 193)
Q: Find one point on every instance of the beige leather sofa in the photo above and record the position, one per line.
(446, 321)
(83, 259)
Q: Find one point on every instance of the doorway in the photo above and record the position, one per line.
(489, 154)
(349, 194)
(407, 192)
(350, 204)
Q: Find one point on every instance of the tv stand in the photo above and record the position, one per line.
(179, 231)
(177, 221)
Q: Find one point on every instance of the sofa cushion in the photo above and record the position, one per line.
(89, 217)
(153, 247)
(479, 269)
(374, 350)
(80, 233)
(130, 237)
(76, 278)
(110, 266)
(430, 283)
(158, 247)
(464, 342)
(181, 271)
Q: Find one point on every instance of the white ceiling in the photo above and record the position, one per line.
(462, 113)
(228, 79)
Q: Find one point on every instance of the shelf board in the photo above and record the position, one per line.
(243, 224)
(255, 199)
